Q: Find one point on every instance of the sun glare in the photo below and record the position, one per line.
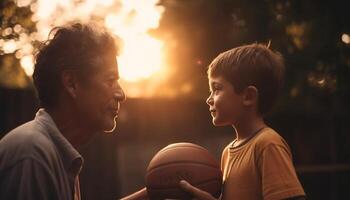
(141, 58)
(27, 64)
(140, 55)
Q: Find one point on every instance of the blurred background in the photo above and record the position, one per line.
(165, 48)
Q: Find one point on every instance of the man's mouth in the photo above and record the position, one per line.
(115, 109)
(114, 112)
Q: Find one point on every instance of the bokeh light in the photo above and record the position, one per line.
(141, 55)
(345, 38)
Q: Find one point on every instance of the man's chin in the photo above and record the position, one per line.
(110, 130)
(111, 126)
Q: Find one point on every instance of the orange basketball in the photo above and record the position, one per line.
(182, 161)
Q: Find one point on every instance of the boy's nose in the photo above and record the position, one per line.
(210, 100)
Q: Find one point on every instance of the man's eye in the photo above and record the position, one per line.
(111, 82)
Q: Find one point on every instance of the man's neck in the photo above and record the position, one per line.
(69, 125)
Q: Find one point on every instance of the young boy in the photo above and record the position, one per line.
(244, 82)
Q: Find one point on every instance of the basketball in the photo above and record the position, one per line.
(182, 161)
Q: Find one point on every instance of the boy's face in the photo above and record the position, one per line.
(225, 105)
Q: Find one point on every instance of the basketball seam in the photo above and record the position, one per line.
(185, 162)
(169, 148)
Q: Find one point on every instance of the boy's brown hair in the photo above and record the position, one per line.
(252, 65)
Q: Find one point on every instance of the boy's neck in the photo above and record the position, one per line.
(248, 128)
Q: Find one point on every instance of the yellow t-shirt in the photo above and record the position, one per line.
(261, 168)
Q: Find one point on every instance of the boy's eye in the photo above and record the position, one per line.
(214, 90)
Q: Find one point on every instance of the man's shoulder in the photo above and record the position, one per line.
(27, 141)
(25, 135)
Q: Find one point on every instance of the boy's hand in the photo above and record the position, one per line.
(197, 193)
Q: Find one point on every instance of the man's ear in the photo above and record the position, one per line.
(69, 82)
(250, 96)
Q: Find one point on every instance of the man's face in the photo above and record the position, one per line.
(225, 105)
(99, 96)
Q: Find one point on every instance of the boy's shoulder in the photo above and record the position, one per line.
(267, 137)
(226, 150)
(228, 146)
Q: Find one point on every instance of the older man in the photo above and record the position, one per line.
(76, 78)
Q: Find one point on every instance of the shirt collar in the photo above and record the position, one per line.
(70, 156)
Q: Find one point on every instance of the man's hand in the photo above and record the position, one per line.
(197, 193)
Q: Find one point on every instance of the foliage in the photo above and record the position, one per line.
(308, 34)
(15, 23)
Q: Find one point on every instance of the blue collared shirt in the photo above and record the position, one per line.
(37, 162)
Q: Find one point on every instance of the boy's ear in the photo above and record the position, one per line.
(250, 96)
(69, 82)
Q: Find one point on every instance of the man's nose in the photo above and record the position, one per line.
(119, 94)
